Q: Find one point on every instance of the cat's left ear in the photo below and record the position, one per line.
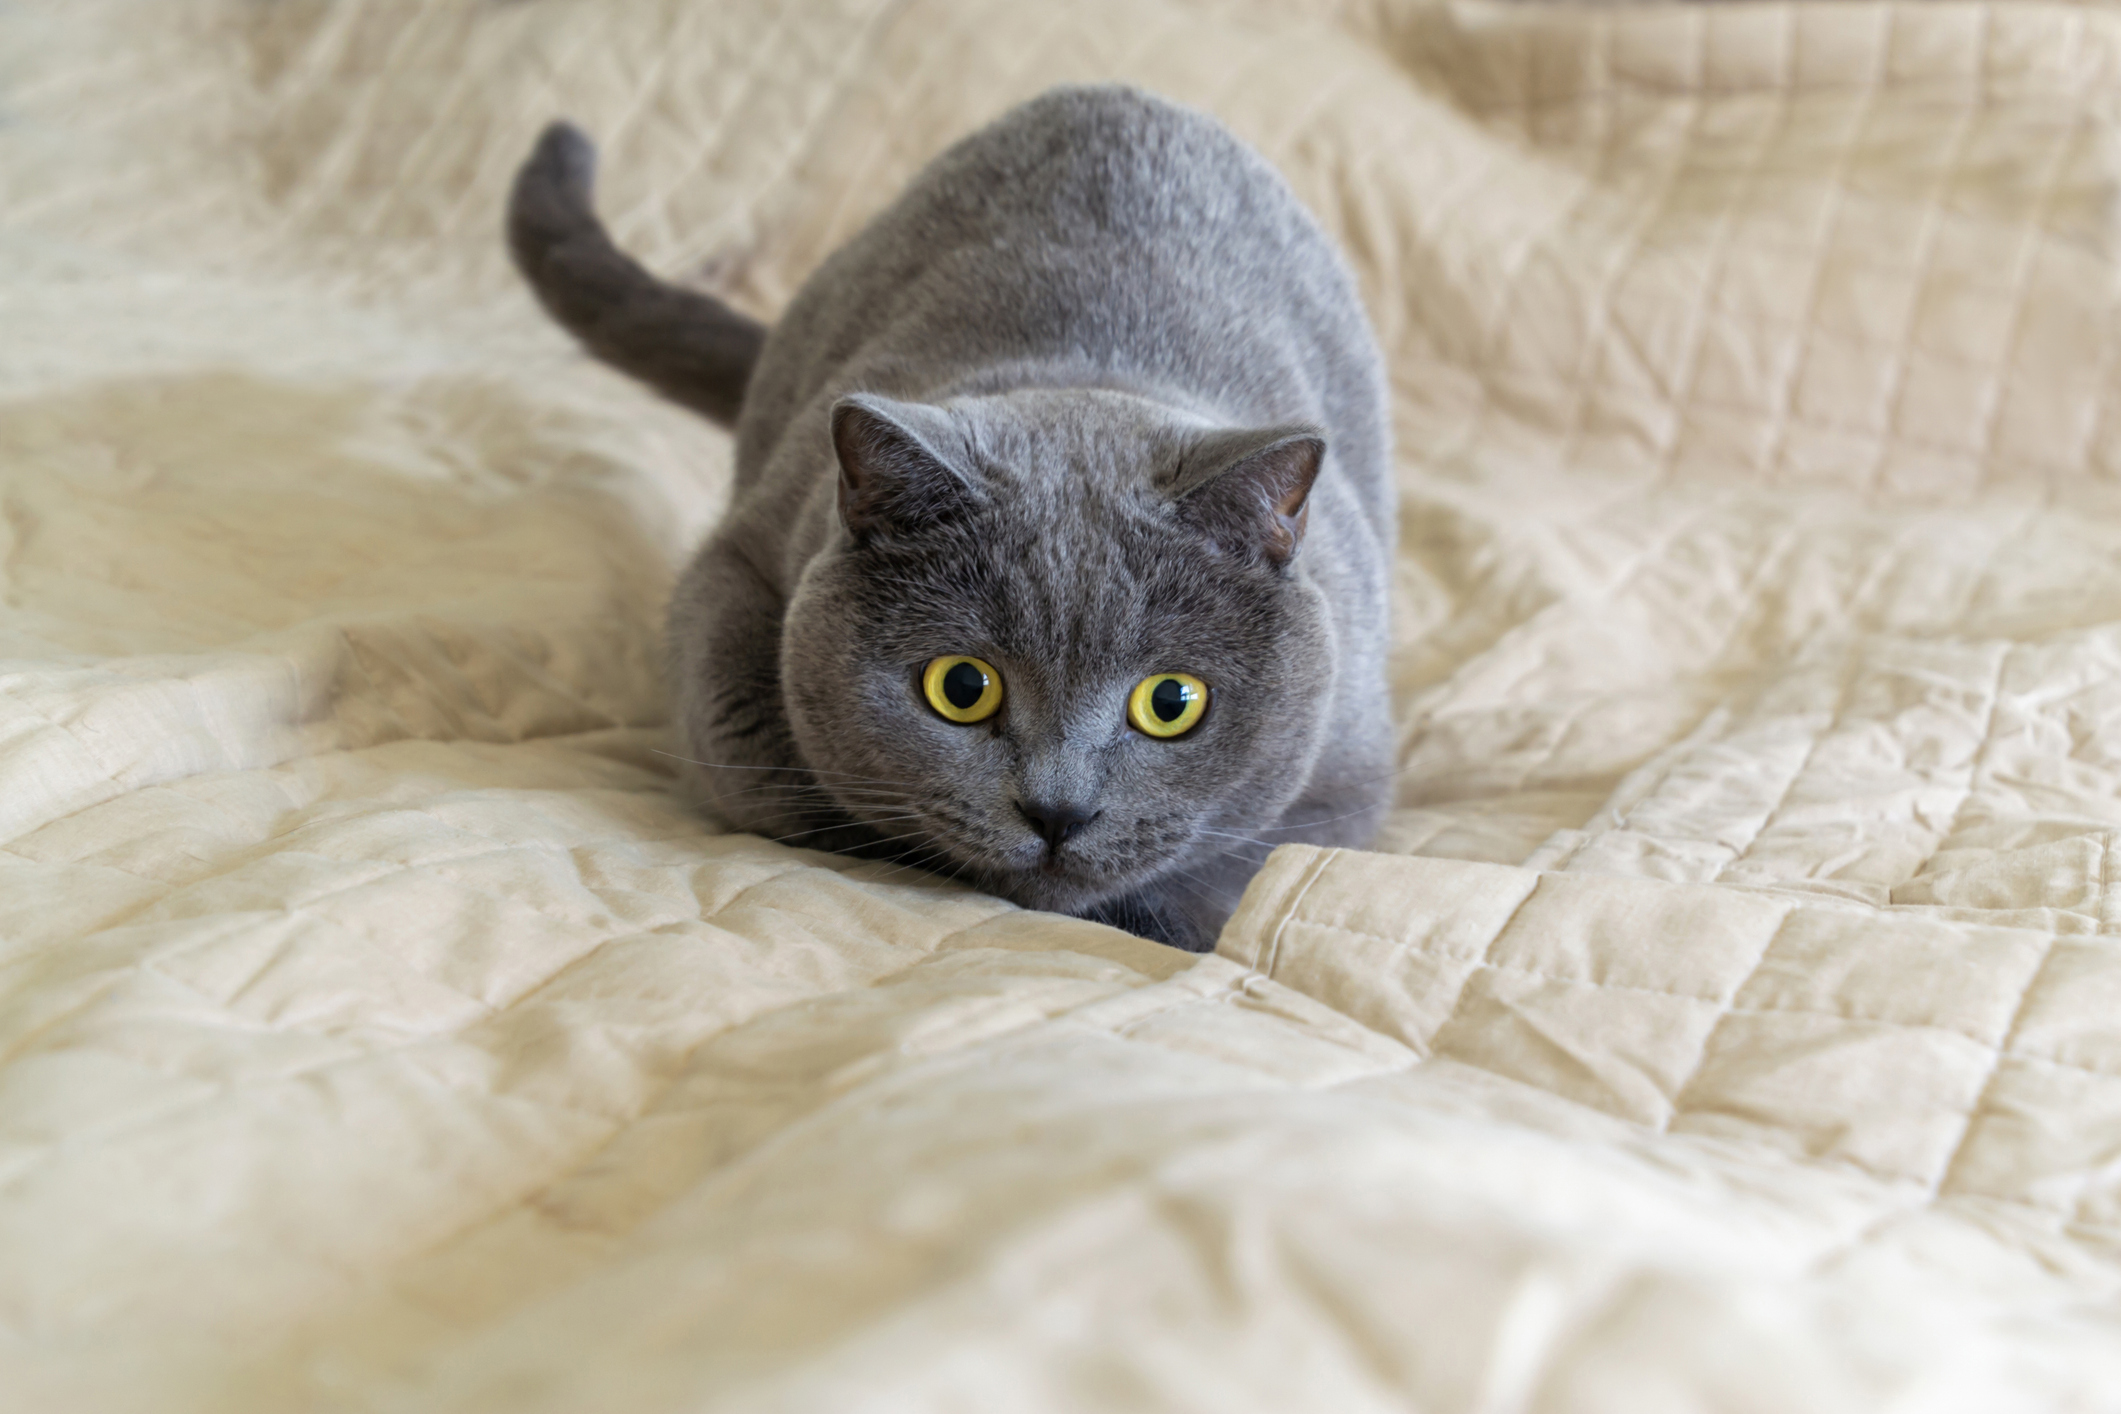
(1248, 492)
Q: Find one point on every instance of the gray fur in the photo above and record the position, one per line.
(1057, 407)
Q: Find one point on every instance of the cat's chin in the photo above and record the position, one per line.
(1055, 891)
(1076, 893)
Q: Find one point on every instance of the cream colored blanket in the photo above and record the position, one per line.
(1730, 1021)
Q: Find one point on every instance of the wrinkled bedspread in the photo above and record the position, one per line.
(1729, 1019)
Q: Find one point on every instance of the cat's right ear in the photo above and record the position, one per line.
(892, 477)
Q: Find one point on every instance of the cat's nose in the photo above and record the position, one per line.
(1056, 823)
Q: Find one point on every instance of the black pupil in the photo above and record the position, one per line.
(1168, 699)
(963, 686)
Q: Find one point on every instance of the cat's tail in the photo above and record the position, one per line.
(688, 346)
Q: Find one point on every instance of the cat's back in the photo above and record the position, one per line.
(1093, 224)
(1086, 165)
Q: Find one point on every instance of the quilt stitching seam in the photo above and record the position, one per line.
(1318, 868)
(1866, 113)
(1723, 1003)
(1729, 1008)
(1957, 1154)
(2032, 242)
(1845, 685)
(1923, 266)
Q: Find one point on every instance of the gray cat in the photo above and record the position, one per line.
(1062, 524)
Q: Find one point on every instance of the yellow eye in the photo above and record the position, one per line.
(1167, 704)
(962, 689)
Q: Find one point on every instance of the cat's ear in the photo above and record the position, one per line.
(892, 473)
(1248, 491)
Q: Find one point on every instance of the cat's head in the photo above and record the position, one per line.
(1059, 644)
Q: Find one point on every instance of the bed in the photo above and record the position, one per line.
(1729, 1017)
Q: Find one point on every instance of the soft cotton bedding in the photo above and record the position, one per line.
(1729, 1018)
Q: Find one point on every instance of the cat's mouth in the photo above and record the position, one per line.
(1068, 878)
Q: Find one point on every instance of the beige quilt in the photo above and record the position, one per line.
(1729, 1021)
